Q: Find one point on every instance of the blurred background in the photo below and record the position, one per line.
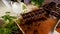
(5, 5)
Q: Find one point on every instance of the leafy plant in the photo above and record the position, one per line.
(9, 26)
(5, 31)
(37, 2)
(7, 17)
(23, 7)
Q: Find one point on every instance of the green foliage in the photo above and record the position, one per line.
(8, 17)
(37, 2)
(1, 30)
(24, 6)
(10, 26)
(5, 31)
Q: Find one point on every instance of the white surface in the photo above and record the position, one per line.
(17, 7)
(4, 9)
(7, 3)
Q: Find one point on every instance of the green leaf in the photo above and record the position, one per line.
(24, 7)
(5, 17)
(37, 2)
(14, 27)
(5, 31)
(8, 17)
(33, 2)
(1, 30)
(10, 26)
